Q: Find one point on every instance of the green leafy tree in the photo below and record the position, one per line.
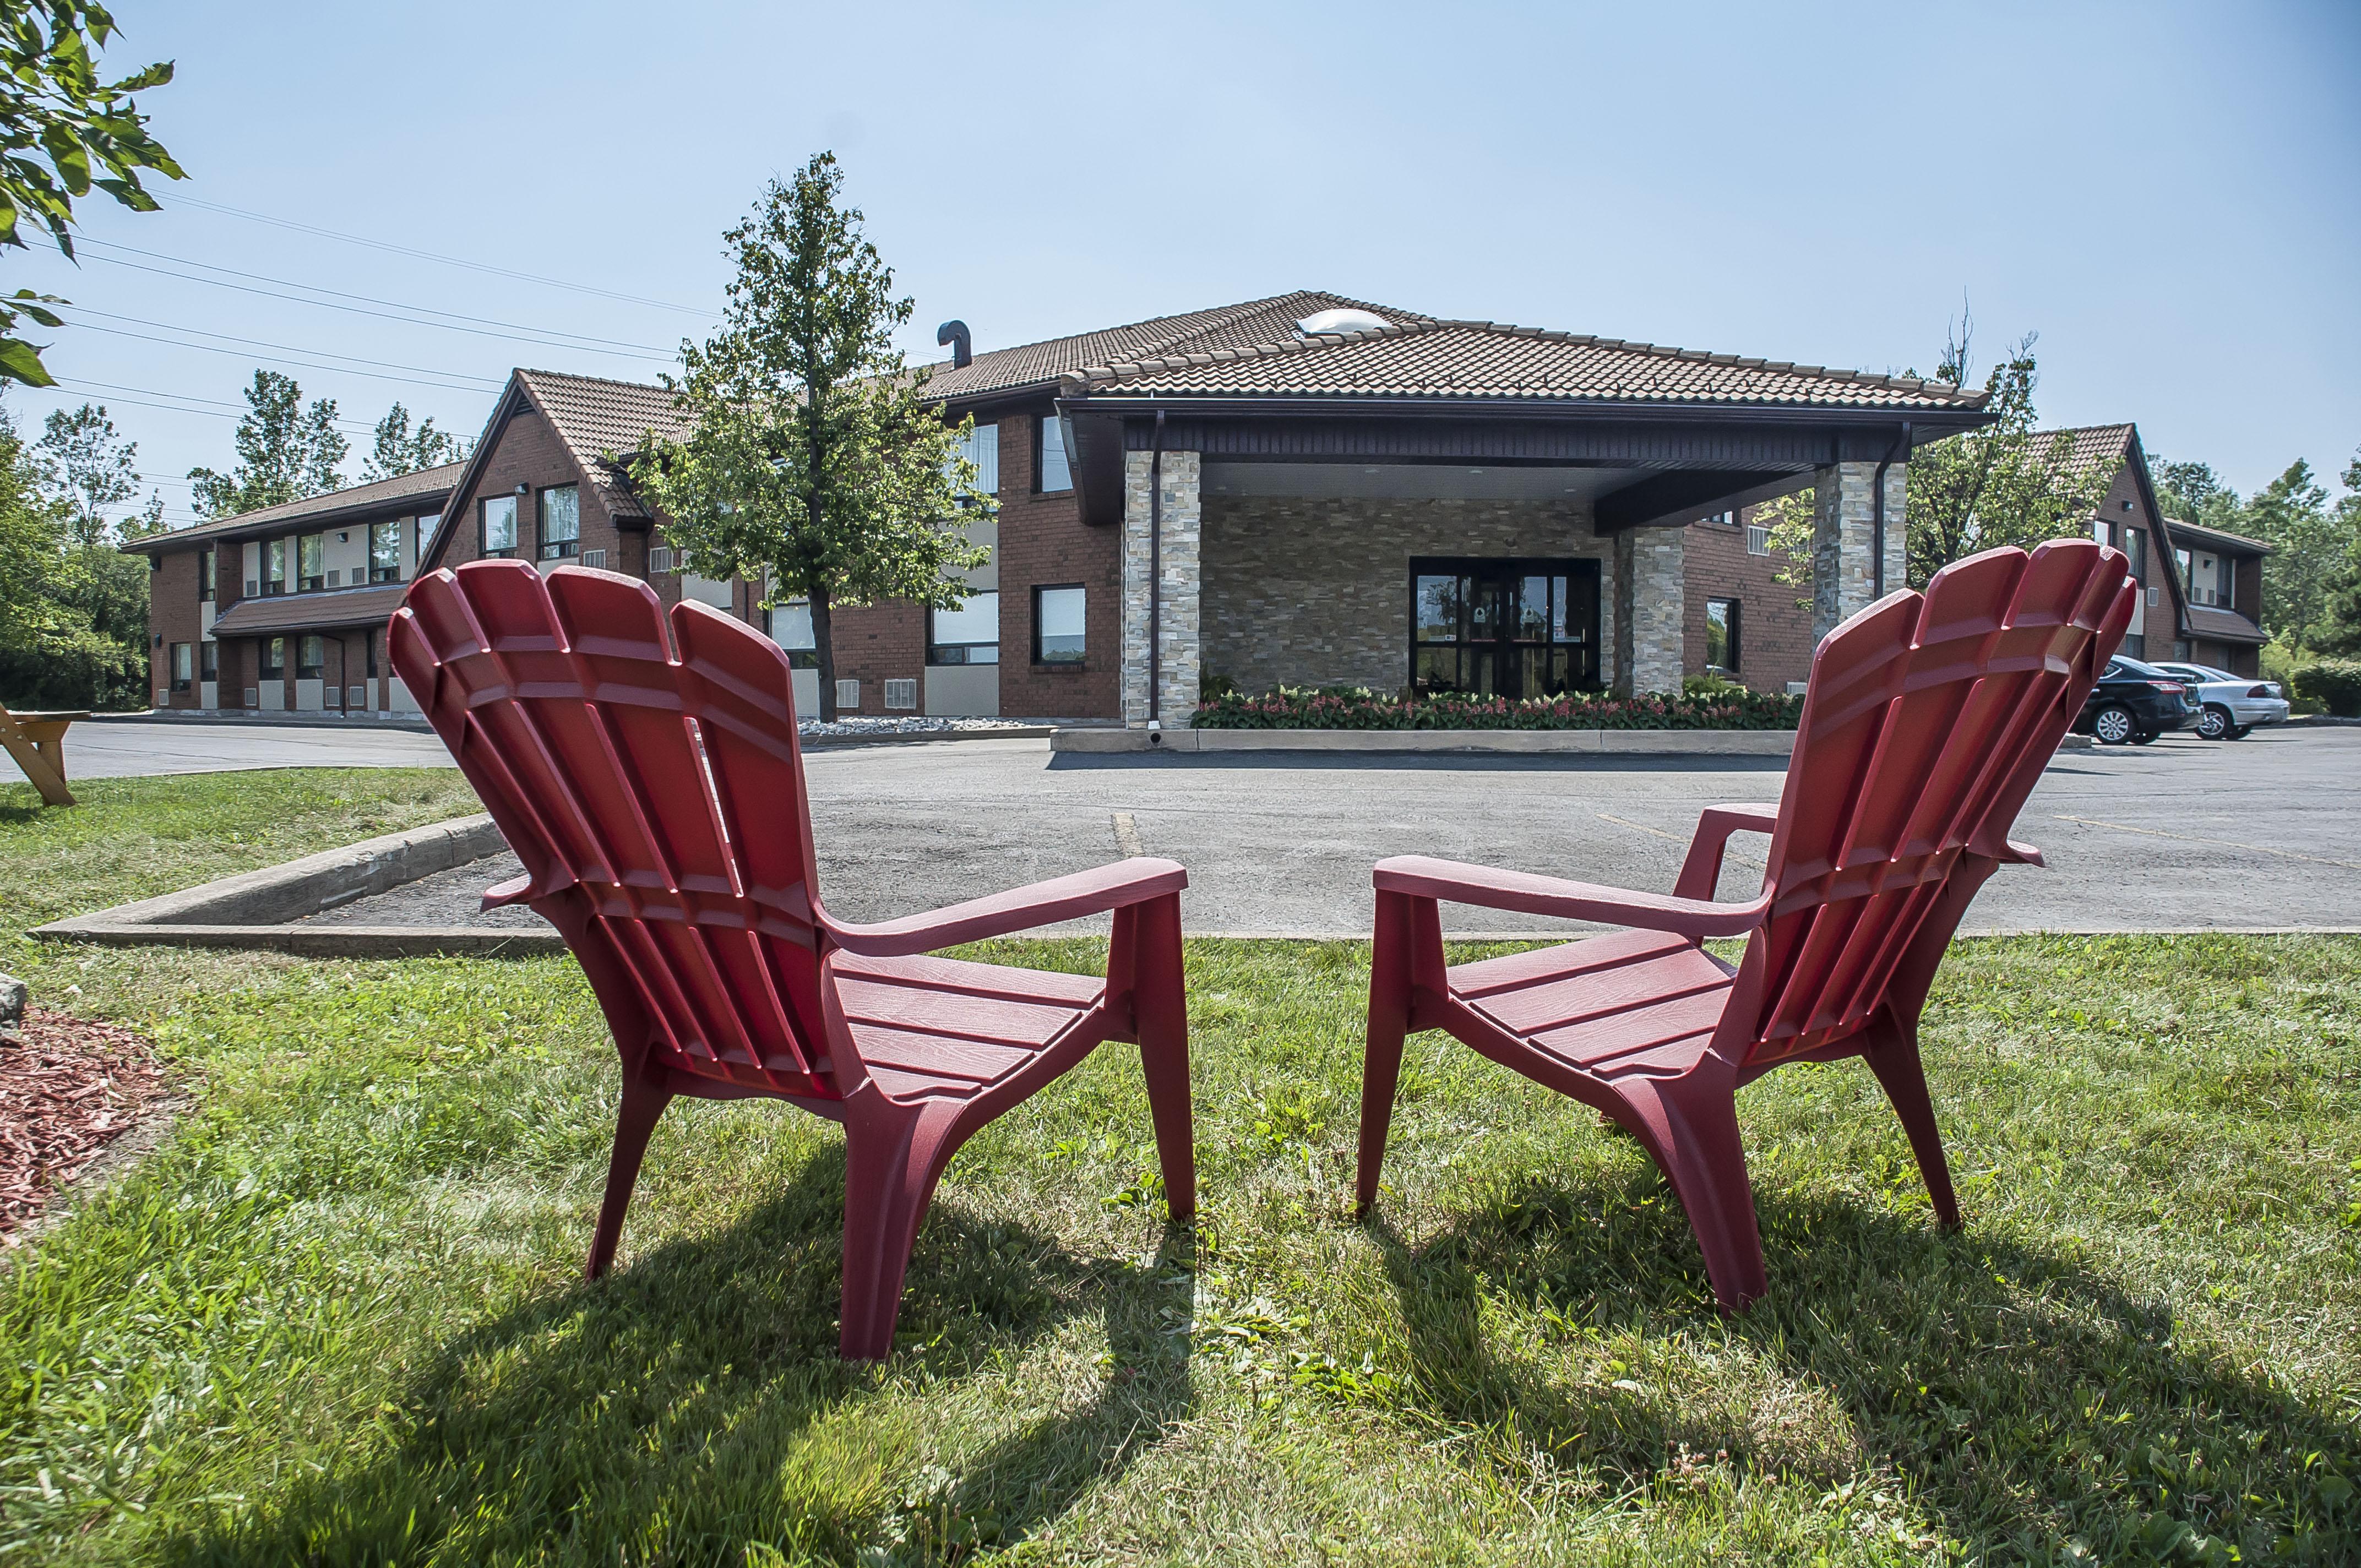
(814, 463)
(73, 617)
(400, 449)
(2293, 514)
(63, 132)
(2193, 492)
(89, 464)
(2342, 632)
(285, 452)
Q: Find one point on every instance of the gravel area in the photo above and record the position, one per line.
(813, 729)
(445, 898)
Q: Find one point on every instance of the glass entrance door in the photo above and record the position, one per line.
(1513, 628)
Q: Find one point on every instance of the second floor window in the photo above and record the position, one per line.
(384, 551)
(274, 567)
(1055, 473)
(204, 573)
(981, 448)
(312, 561)
(499, 528)
(561, 523)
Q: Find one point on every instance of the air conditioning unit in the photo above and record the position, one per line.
(847, 695)
(253, 697)
(595, 559)
(662, 559)
(357, 697)
(902, 693)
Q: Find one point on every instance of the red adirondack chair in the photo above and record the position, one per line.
(1928, 721)
(653, 788)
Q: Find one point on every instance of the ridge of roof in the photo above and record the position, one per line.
(1304, 343)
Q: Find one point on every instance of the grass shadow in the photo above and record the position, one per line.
(692, 1402)
(2034, 1407)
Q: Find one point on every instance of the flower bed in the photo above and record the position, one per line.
(1356, 707)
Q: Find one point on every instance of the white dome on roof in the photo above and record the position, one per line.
(1345, 319)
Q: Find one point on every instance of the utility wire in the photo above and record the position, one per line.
(181, 200)
(242, 409)
(548, 334)
(290, 348)
(299, 363)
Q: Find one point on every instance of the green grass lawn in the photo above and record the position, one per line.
(336, 1318)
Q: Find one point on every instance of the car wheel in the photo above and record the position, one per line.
(2241, 731)
(2114, 724)
(2144, 737)
(2213, 724)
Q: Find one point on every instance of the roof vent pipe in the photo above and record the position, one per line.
(955, 334)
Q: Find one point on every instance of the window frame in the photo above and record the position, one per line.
(1042, 425)
(184, 665)
(311, 582)
(272, 655)
(1080, 658)
(208, 578)
(377, 573)
(274, 566)
(484, 550)
(806, 658)
(1733, 635)
(1586, 656)
(304, 671)
(940, 655)
(208, 660)
(544, 547)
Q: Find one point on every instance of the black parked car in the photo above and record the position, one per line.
(2135, 703)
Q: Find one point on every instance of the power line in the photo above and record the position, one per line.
(431, 256)
(241, 410)
(299, 363)
(290, 348)
(548, 336)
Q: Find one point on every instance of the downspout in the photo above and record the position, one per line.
(1877, 512)
(1156, 574)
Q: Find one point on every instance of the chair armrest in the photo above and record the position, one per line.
(1528, 894)
(2022, 855)
(1701, 872)
(1133, 881)
(499, 896)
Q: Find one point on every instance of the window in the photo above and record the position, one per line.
(2206, 582)
(204, 573)
(1722, 518)
(791, 629)
(311, 562)
(310, 657)
(981, 448)
(561, 523)
(274, 567)
(1721, 635)
(2135, 546)
(1504, 628)
(968, 635)
(371, 644)
(1758, 539)
(183, 665)
(1051, 468)
(384, 551)
(1058, 618)
(499, 528)
(209, 661)
(274, 659)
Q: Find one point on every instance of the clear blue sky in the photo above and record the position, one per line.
(2168, 194)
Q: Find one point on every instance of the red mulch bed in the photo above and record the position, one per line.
(67, 1088)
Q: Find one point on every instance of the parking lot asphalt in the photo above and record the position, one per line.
(2258, 834)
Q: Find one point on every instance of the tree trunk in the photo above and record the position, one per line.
(824, 641)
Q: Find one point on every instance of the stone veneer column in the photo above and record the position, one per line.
(1650, 611)
(1844, 526)
(1180, 609)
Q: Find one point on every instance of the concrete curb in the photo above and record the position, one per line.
(1524, 743)
(1014, 732)
(259, 909)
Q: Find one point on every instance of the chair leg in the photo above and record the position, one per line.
(1692, 1125)
(643, 1102)
(892, 1156)
(1390, 992)
(1894, 1060)
(1160, 1012)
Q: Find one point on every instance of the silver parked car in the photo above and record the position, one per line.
(2234, 704)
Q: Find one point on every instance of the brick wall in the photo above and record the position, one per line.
(1775, 633)
(172, 613)
(526, 451)
(1044, 541)
(1317, 591)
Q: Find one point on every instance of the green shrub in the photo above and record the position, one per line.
(1357, 707)
(2334, 683)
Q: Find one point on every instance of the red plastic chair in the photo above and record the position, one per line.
(653, 788)
(1929, 721)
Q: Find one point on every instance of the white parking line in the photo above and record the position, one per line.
(2201, 838)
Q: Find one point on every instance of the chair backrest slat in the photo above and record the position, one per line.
(645, 769)
(1928, 721)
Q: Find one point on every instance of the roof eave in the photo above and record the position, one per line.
(1928, 423)
(233, 531)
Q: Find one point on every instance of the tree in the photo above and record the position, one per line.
(89, 465)
(814, 463)
(285, 451)
(2342, 611)
(2193, 492)
(2003, 483)
(402, 450)
(73, 617)
(2292, 513)
(62, 132)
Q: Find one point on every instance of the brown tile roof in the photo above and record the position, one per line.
(2208, 621)
(310, 613)
(2093, 446)
(1420, 356)
(595, 417)
(424, 487)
